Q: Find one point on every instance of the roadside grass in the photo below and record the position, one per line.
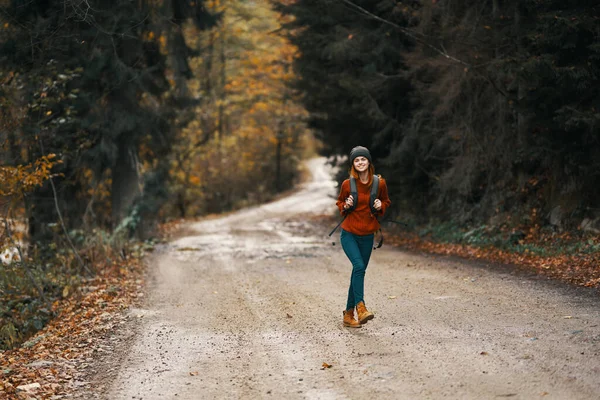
(542, 242)
(569, 256)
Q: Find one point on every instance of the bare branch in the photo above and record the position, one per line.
(407, 32)
(62, 222)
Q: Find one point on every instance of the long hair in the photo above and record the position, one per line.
(371, 171)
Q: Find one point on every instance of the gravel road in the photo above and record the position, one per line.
(250, 306)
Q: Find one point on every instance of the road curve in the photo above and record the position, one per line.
(249, 306)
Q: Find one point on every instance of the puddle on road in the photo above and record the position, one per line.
(281, 229)
(268, 239)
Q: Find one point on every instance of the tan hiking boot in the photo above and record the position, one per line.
(364, 315)
(349, 320)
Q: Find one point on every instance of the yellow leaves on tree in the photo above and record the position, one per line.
(16, 181)
(247, 123)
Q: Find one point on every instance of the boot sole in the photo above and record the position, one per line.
(352, 326)
(367, 318)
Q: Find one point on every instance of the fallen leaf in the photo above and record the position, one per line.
(484, 353)
(289, 316)
(325, 365)
(392, 297)
(194, 373)
(32, 387)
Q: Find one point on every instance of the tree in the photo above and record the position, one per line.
(479, 111)
(248, 117)
(96, 84)
(351, 71)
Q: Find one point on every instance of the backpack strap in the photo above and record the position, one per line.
(373, 197)
(374, 193)
(354, 193)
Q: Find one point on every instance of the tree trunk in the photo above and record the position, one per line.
(519, 118)
(278, 162)
(222, 117)
(521, 90)
(208, 61)
(125, 182)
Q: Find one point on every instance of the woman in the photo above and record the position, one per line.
(358, 229)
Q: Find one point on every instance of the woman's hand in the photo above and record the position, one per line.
(349, 202)
(377, 204)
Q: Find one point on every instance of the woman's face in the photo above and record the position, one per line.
(361, 164)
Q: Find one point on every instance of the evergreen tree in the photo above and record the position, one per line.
(95, 80)
(352, 71)
(482, 110)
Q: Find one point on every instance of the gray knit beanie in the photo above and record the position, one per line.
(360, 151)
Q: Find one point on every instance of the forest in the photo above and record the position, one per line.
(478, 112)
(118, 116)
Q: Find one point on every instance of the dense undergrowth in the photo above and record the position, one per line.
(546, 242)
(32, 291)
(569, 256)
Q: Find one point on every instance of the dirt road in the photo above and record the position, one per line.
(250, 306)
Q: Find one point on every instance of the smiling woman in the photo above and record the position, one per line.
(361, 214)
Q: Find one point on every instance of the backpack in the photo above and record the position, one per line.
(373, 196)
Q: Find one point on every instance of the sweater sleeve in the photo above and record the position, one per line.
(344, 193)
(383, 197)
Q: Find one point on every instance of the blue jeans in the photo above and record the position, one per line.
(358, 250)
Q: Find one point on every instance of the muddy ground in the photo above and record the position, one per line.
(250, 306)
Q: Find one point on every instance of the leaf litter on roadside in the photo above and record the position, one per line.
(578, 268)
(52, 362)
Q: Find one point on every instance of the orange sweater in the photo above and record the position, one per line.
(360, 221)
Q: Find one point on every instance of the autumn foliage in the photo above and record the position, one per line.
(120, 119)
(19, 180)
(52, 359)
(248, 133)
(114, 120)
